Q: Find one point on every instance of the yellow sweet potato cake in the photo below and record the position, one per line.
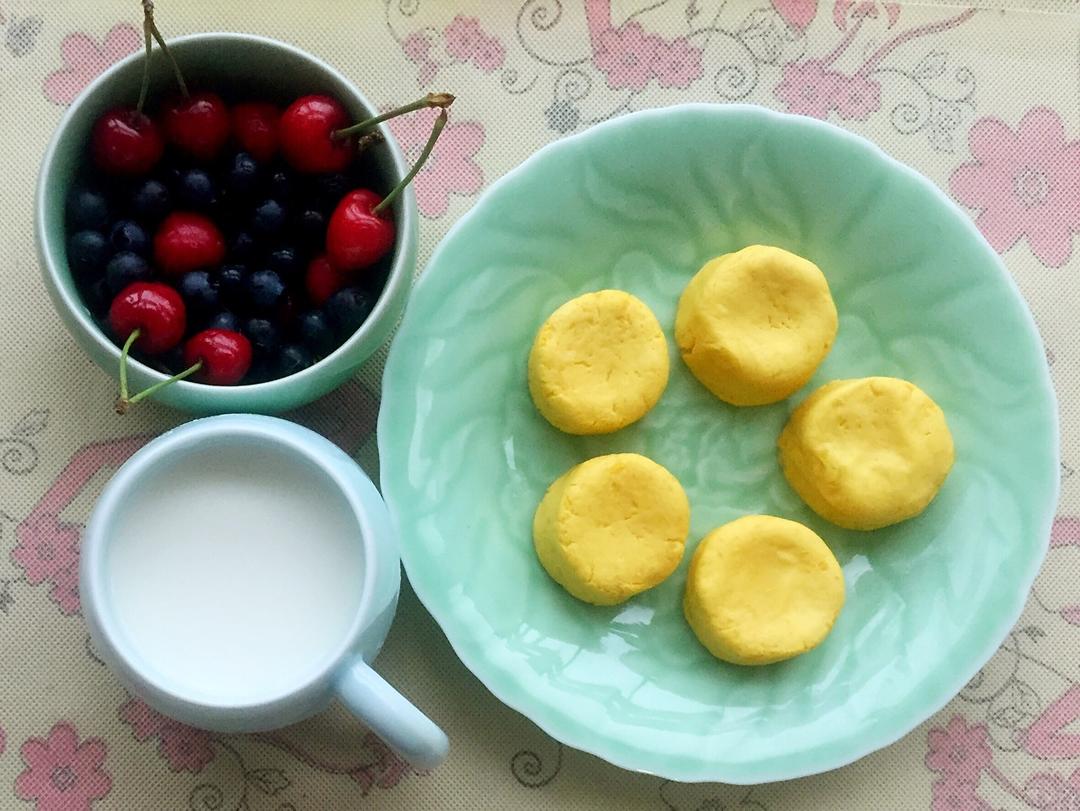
(753, 325)
(612, 527)
(867, 453)
(762, 589)
(598, 363)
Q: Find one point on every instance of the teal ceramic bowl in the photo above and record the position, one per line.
(640, 203)
(239, 65)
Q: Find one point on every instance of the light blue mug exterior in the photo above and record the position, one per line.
(348, 675)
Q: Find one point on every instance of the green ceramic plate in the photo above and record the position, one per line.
(639, 204)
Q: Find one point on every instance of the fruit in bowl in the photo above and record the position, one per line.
(225, 193)
(195, 253)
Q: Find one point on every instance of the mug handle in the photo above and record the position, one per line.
(391, 716)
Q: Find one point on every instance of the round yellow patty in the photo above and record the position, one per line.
(599, 363)
(755, 324)
(612, 527)
(867, 453)
(762, 589)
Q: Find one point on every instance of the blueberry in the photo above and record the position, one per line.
(87, 252)
(225, 209)
(280, 185)
(224, 320)
(172, 173)
(265, 290)
(196, 189)
(199, 291)
(331, 188)
(124, 269)
(315, 332)
(232, 284)
(347, 309)
(87, 209)
(374, 280)
(284, 261)
(262, 368)
(262, 334)
(172, 361)
(98, 298)
(243, 174)
(151, 202)
(312, 228)
(268, 218)
(128, 235)
(242, 247)
(292, 359)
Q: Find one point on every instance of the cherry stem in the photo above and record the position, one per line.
(441, 100)
(368, 140)
(124, 401)
(134, 336)
(440, 122)
(150, 28)
(145, 88)
(188, 372)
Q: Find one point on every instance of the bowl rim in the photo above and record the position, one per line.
(476, 655)
(398, 281)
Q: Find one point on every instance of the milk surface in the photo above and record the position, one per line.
(235, 573)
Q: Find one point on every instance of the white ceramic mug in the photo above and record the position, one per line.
(185, 626)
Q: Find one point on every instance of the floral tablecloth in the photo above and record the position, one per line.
(982, 97)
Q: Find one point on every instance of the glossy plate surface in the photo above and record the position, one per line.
(639, 204)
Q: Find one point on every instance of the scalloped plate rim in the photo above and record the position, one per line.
(473, 653)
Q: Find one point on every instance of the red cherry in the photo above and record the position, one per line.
(321, 280)
(306, 132)
(198, 124)
(255, 127)
(356, 236)
(126, 142)
(186, 241)
(225, 355)
(155, 310)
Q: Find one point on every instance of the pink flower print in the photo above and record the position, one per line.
(451, 169)
(863, 8)
(1050, 792)
(416, 46)
(857, 97)
(144, 720)
(626, 56)
(65, 591)
(186, 749)
(1066, 531)
(1024, 184)
(809, 88)
(417, 49)
(84, 59)
(489, 55)
(45, 548)
(62, 774)
(463, 36)
(467, 42)
(677, 63)
(385, 772)
(1050, 735)
(796, 13)
(952, 794)
(958, 752)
